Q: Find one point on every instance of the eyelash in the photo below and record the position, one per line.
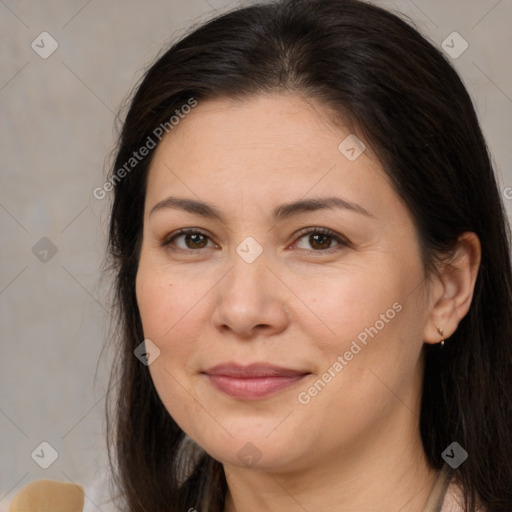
(341, 241)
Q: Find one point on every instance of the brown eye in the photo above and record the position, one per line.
(321, 239)
(193, 239)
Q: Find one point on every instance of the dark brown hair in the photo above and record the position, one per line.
(375, 71)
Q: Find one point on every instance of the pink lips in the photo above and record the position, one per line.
(252, 382)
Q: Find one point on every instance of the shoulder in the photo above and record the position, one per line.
(454, 499)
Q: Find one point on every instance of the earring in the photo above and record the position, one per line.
(441, 333)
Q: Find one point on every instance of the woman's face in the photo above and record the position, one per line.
(264, 282)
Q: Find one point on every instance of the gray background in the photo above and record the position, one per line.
(56, 132)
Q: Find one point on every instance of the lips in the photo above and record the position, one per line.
(253, 370)
(255, 381)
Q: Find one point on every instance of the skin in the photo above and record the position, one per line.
(356, 445)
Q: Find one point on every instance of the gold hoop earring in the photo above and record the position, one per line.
(441, 333)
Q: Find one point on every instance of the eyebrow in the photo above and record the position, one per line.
(281, 212)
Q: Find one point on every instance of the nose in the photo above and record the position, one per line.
(251, 301)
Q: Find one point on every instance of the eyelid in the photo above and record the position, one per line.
(340, 239)
(185, 231)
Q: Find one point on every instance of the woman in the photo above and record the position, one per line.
(313, 277)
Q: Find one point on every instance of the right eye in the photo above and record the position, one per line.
(193, 239)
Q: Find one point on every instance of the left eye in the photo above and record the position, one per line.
(320, 239)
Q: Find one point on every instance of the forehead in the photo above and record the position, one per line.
(276, 122)
(260, 147)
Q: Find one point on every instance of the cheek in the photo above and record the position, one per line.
(166, 305)
(350, 303)
(153, 293)
(374, 324)
(167, 310)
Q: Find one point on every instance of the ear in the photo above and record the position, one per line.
(452, 290)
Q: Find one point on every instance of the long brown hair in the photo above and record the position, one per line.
(375, 70)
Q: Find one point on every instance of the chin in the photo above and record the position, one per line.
(251, 448)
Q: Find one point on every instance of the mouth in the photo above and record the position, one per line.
(253, 382)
